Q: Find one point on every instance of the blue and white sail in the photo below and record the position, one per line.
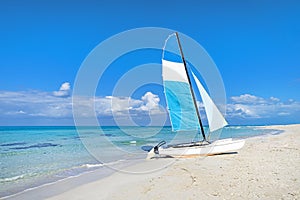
(181, 106)
(182, 110)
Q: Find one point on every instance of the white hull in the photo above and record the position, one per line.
(216, 147)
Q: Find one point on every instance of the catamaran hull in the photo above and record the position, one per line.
(216, 147)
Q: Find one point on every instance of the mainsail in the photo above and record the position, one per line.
(179, 99)
(179, 94)
(180, 104)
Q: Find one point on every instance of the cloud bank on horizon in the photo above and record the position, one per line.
(251, 107)
(54, 108)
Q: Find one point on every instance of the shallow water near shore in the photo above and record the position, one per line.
(33, 156)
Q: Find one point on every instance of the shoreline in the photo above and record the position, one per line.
(83, 185)
(71, 182)
(30, 192)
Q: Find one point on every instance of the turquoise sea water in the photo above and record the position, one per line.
(32, 156)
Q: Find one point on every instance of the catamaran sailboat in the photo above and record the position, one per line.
(184, 114)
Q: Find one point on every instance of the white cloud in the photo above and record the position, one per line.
(150, 102)
(34, 103)
(117, 106)
(44, 104)
(65, 87)
(274, 99)
(248, 98)
(250, 106)
(64, 90)
(242, 111)
(122, 106)
(21, 112)
(283, 114)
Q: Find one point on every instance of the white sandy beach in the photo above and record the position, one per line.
(268, 167)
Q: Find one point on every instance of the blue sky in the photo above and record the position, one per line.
(255, 45)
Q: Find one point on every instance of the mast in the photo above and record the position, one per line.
(191, 88)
